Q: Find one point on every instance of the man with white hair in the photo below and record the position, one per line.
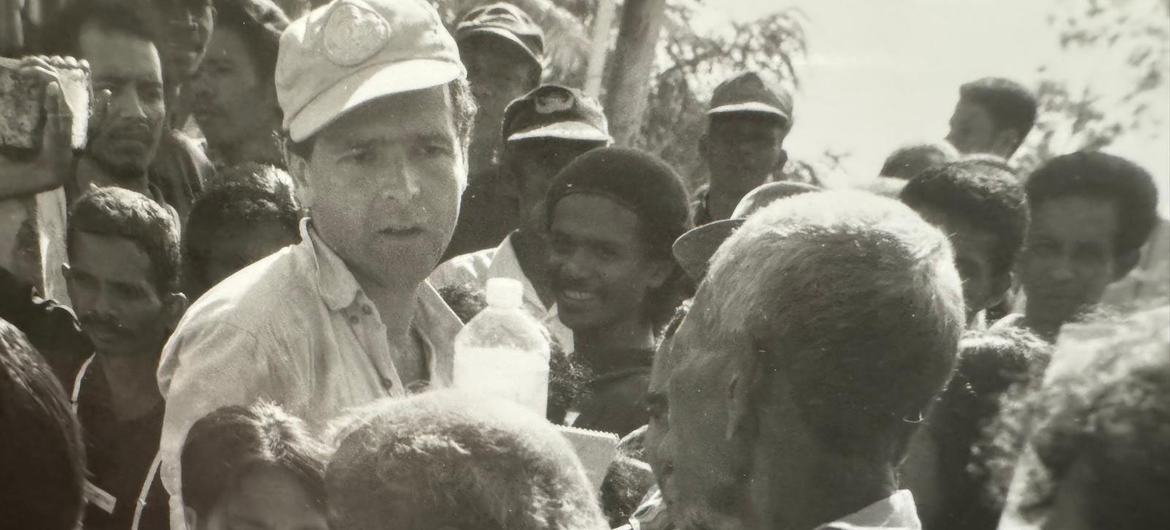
(377, 116)
(787, 396)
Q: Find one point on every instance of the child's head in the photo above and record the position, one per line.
(253, 466)
(236, 224)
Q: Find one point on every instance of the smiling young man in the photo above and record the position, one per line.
(1091, 215)
(743, 146)
(612, 216)
(787, 395)
(122, 276)
(544, 131)
(377, 114)
(993, 116)
(234, 98)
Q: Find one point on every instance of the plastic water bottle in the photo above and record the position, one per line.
(503, 351)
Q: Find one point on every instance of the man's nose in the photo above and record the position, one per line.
(402, 180)
(126, 104)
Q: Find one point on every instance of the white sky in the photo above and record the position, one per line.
(883, 73)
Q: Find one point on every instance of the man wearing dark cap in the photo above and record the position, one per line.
(504, 53)
(743, 146)
(543, 131)
(377, 116)
(612, 215)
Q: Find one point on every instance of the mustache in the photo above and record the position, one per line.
(89, 320)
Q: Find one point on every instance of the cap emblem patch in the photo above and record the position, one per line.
(551, 102)
(353, 34)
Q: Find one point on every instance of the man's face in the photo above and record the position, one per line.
(498, 72)
(383, 183)
(743, 149)
(534, 163)
(234, 247)
(972, 130)
(188, 26)
(1068, 257)
(128, 135)
(601, 269)
(233, 103)
(974, 259)
(263, 499)
(110, 281)
(702, 473)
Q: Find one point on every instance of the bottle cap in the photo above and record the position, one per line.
(504, 293)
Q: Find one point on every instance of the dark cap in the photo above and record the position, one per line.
(640, 181)
(693, 250)
(555, 111)
(749, 92)
(507, 21)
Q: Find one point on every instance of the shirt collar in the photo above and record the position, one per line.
(505, 264)
(337, 285)
(895, 511)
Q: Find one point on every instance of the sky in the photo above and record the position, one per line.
(884, 73)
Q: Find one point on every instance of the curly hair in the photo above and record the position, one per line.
(223, 446)
(117, 212)
(981, 194)
(259, 23)
(1010, 105)
(1101, 176)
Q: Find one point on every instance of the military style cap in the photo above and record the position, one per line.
(555, 111)
(506, 21)
(348, 52)
(693, 250)
(749, 92)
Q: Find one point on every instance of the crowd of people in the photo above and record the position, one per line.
(281, 218)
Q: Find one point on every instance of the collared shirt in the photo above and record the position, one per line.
(896, 511)
(296, 329)
(501, 262)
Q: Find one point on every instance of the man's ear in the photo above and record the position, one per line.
(1125, 263)
(1000, 285)
(781, 160)
(191, 518)
(174, 306)
(298, 168)
(744, 391)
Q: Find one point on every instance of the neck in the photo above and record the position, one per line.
(808, 486)
(532, 253)
(723, 197)
(395, 305)
(261, 147)
(631, 334)
(132, 382)
(93, 174)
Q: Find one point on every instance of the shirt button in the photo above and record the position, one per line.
(367, 310)
(387, 384)
(353, 320)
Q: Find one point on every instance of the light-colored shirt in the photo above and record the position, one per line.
(501, 262)
(296, 329)
(896, 511)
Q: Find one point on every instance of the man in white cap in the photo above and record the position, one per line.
(377, 114)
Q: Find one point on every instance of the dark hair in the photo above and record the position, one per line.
(223, 446)
(1010, 105)
(985, 196)
(1106, 177)
(42, 459)
(907, 162)
(117, 212)
(990, 365)
(463, 109)
(487, 463)
(64, 34)
(259, 23)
